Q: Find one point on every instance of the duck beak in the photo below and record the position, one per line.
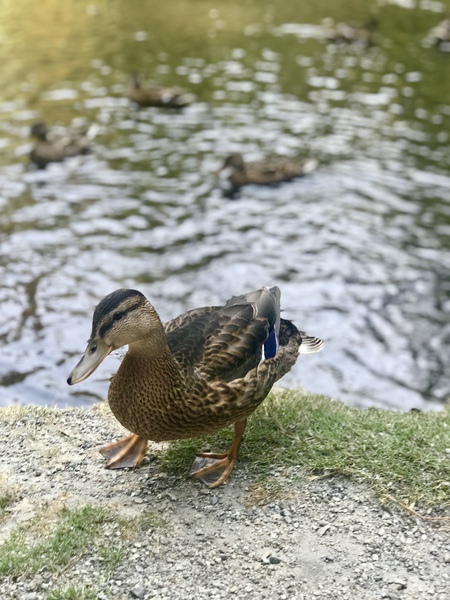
(224, 172)
(95, 353)
(218, 171)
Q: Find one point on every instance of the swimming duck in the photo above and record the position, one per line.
(193, 375)
(167, 97)
(440, 35)
(270, 171)
(55, 147)
(352, 33)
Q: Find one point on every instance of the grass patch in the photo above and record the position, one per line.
(112, 556)
(265, 490)
(32, 414)
(402, 454)
(6, 500)
(72, 593)
(147, 521)
(150, 520)
(74, 532)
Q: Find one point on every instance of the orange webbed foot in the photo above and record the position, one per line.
(211, 470)
(127, 452)
(214, 469)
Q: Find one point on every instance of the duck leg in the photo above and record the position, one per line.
(127, 452)
(218, 466)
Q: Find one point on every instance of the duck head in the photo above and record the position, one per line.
(123, 317)
(39, 131)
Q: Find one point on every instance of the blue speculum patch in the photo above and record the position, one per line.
(270, 345)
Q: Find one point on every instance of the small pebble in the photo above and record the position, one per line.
(138, 592)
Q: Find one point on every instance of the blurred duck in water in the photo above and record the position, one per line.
(270, 171)
(439, 36)
(351, 33)
(57, 146)
(155, 95)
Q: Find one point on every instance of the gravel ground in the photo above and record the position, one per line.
(319, 538)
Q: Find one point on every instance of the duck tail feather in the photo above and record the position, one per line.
(310, 165)
(310, 344)
(92, 131)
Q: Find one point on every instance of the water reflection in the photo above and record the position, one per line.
(360, 247)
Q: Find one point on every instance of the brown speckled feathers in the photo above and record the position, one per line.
(200, 371)
(220, 342)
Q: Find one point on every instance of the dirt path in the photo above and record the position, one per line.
(320, 538)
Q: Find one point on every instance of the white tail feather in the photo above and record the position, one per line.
(310, 344)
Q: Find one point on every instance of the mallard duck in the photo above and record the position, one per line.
(192, 376)
(440, 35)
(167, 97)
(55, 147)
(270, 171)
(352, 33)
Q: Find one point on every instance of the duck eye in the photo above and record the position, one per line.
(118, 315)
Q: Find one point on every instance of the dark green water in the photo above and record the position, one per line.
(359, 248)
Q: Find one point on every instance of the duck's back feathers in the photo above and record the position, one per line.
(226, 341)
(353, 33)
(277, 170)
(57, 146)
(268, 171)
(157, 95)
(266, 303)
(439, 36)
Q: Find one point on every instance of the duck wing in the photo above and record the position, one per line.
(277, 170)
(228, 341)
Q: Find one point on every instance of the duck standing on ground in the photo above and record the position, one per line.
(55, 147)
(156, 95)
(270, 171)
(195, 374)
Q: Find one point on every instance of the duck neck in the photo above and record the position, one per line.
(153, 361)
(239, 176)
(136, 81)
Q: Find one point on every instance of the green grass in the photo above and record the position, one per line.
(112, 556)
(72, 593)
(57, 541)
(150, 520)
(74, 532)
(402, 455)
(406, 455)
(6, 499)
